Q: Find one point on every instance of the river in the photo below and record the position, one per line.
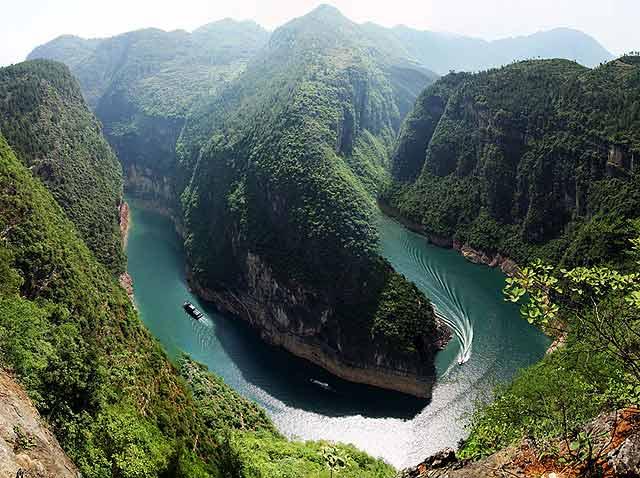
(489, 335)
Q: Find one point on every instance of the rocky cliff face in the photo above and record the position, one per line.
(279, 210)
(302, 321)
(526, 157)
(27, 448)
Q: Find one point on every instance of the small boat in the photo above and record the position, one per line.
(190, 309)
(323, 385)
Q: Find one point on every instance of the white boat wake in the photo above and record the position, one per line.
(446, 303)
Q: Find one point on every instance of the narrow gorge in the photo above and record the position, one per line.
(239, 253)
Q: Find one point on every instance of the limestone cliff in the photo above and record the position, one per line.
(27, 448)
(302, 321)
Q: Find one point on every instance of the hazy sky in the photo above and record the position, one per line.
(27, 23)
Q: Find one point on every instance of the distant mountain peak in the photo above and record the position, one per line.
(228, 22)
(326, 12)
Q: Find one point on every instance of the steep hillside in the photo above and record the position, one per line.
(26, 445)
(320, 106)
(443, 52)
(279, 210)
(142, 84)
(118, 406)
(534, 159)
(44, 118)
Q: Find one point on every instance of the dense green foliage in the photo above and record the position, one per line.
(72, 337)
(598, 309)
(264, 456)
(117, 405)
(219, 405)
(297, 151)
(254, 448)
(142, 85)
(534, 159)
(44, 118)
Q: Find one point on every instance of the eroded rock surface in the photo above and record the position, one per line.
(27, 447)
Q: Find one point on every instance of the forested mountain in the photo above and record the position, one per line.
(44, 118)
(142, 84)
(443, 52)
(282, 197)
(534, 159)
(537, 161)
(72, 338)
(280, 208)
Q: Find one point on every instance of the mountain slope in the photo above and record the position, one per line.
(444, 52)
(538, 160)
(309, 124)
(142, 84)
(26, 445)
(551, 172)
(44, 118)
(280, 209)
(70, 335)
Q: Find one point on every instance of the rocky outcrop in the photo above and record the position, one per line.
(299, 320)
(124, 221)
(625, 460)
(126, 282)
(507, 266)
(615, 452)
(27, 448)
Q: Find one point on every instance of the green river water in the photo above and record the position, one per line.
(488, 334)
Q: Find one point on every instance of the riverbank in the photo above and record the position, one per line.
(494, 260)
(399, 428)
(305, 345)
(124, 220)
(508, 266)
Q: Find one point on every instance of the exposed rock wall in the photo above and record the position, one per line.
(300, 321)
(507, 266)
(615, 453)
(27, 448)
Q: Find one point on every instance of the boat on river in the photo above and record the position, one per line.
(322, 385)
(191, 309)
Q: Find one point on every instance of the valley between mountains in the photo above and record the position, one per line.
(322, 193)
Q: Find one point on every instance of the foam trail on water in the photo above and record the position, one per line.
(445, 300)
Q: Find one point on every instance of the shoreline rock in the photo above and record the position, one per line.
(124, 279)
(126, 282)
(508, 266)
(303, 343)
(124, 222)
(277, 328)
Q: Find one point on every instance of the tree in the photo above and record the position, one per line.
(334, 459)
(600, 304)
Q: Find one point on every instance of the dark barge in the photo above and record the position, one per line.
(190, 309)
